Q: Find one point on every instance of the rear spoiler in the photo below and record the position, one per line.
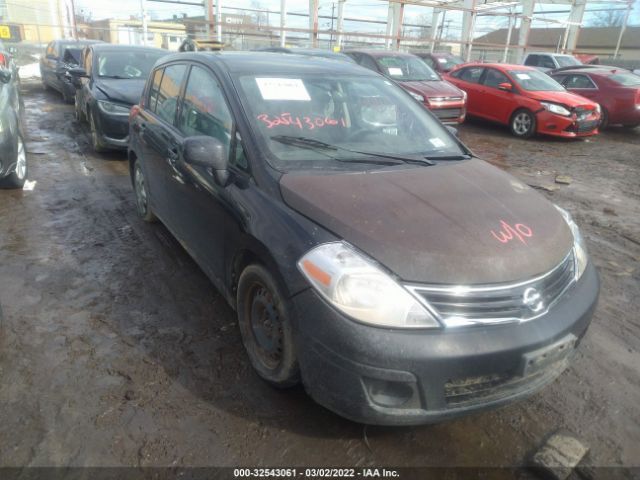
(585, 67)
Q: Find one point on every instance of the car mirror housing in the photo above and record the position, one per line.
(452, 130)
(507, 87)
(77, 72)
(210, 153)
(5, 75)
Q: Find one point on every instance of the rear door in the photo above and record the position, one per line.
(469, 80)
(155, 127)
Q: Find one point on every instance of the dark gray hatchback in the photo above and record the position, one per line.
(367, 253)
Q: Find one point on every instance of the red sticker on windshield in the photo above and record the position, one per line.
(507, 233)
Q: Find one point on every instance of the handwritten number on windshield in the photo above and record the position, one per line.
(302, 123)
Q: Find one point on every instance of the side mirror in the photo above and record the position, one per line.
(208, 152)
(5, 75)
(507, 87)
(50, 56)
(77, 72)
(452, 130)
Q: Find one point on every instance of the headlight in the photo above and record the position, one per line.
(113, 108)
(417, 96)
(361, 289)
(579, 245)
(555, 108)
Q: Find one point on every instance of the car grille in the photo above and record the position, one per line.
(447, 112)
(471, 305)
(584, 126)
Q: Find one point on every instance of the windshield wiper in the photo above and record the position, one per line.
(117, 77)
(306, 142)
(448, 157)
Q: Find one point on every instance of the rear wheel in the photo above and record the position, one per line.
(96, 142)
(523, 123)
(17, 178)
(604, 118)
(142, 195)
(265, 326)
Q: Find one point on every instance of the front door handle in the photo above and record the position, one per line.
(172, 155)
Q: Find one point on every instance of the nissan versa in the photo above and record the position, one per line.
(367, 252)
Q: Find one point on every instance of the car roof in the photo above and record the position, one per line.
(108, 47)
(271, 63)
(380, 53)
(499, 66)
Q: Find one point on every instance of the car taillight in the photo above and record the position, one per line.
(4, 60)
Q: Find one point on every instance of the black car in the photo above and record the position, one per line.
(108, 84)
(59, 57)
(13, 157)
(366, 252)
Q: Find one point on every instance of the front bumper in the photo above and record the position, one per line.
(398, 377)
(113, 129)
(569, 127)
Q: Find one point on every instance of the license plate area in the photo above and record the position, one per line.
(540, 359)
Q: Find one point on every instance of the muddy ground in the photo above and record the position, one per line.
(115, 349)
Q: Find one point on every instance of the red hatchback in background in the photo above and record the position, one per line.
(445, 100)
(615, 89)
(526, 100)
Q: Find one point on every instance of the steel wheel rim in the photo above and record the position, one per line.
(265, 325)
(522, 123)
(141, 192)
(21, 162)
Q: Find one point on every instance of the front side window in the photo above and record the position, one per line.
(154, 89)
(204, 110)
(532, 60)
(535, 81)
(126, 64)
(406, 69)
(309, 122)
(546, 61)
(494, 78)
(169, 92)
(72, 56)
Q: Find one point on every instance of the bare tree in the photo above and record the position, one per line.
(610, 18)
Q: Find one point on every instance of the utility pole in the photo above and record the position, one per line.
(333, 9)
(143, 12)
(74, 26)
(283, 23)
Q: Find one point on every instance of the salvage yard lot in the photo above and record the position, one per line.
(115, 349)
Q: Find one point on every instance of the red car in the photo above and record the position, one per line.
(615, 89)
(526, 100)
(441, 62)
(446, 101)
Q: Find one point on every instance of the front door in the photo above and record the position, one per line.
(499, 103)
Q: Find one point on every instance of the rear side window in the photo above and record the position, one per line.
(578, 81)
(154, 89)
(532, 60)
(470, 74)
(169, 92)
(546, 61)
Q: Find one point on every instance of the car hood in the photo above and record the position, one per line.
(565, 98)
(449, 223)
(126, 91)
(436, 88)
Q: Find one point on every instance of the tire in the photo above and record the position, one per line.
(604, 118)
(523, 123)
(265, 327)
(142, 195)
(96, 143)
(17, 178)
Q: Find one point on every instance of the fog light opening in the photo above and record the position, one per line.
(390, 394)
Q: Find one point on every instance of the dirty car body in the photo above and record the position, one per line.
(413, 282)
(13, 162)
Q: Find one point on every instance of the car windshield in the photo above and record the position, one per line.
(406, 69)
(450, 61)
(567, 61)
(625, 79)
(535, 81)
(72, 55)
(122, 64)
(321, 122)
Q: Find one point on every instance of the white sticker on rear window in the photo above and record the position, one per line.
(523, 76)
(395, 71)
(436, 142)
(282, 89)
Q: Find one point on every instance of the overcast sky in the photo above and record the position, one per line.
(370, 9)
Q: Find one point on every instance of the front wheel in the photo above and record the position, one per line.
(96, 142)
(17, 178)
(265, 327)
(523, 124)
